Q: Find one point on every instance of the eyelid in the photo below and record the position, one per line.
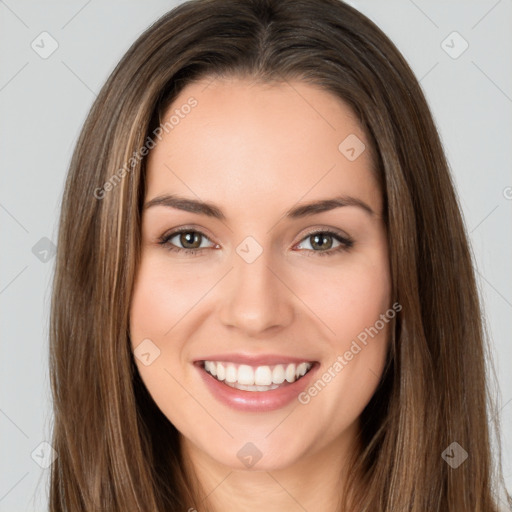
(345, 240)
(187, 229)
(326, 229)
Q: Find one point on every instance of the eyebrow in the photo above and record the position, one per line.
(297, 212)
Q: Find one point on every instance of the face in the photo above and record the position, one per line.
(289, 307)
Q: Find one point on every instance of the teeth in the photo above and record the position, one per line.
(221, 372)
(302, 368)
(260, 378)
(290, 373)
(210, 367)
(245, 375)
(231, 373)
(252, 388)
(278, 375)
(263, 376)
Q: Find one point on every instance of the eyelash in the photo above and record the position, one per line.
(346, 243)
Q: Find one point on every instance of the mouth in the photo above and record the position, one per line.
(253, 378)
(255, 382)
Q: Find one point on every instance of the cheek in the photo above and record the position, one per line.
(157, 304)
(155, 309)
(357, 309)
(150, 302)
(163, 294)
(346, 299)
(350, 297)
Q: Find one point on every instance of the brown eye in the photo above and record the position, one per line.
(322, 243)
(188, 240)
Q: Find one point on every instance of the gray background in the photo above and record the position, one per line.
(44, 101)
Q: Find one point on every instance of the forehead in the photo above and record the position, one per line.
(248, 143)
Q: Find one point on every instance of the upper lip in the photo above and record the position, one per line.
(254, 359)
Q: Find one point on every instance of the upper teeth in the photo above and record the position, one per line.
(256, 375)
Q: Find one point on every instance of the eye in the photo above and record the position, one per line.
(189, 238)
(191, 241)
(323, 239)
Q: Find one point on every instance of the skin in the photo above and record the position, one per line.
(255, 151)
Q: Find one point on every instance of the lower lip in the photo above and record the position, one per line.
(256, 401)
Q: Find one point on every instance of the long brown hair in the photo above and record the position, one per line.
(116, 449)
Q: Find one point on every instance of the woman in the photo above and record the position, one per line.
(246, 371)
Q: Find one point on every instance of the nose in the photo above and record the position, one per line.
(256, 298)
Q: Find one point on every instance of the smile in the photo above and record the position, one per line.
(256, 378)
